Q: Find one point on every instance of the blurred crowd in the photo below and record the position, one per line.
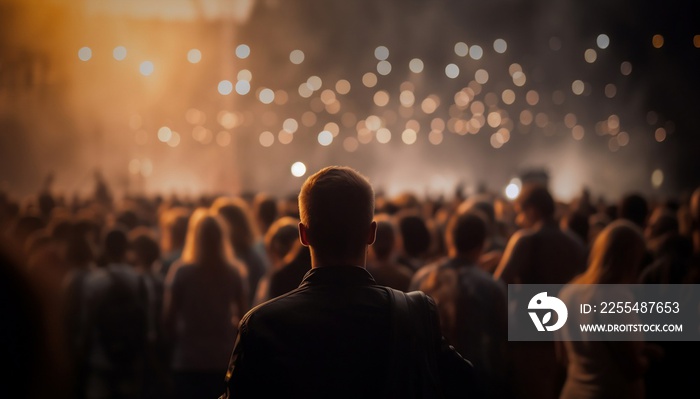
(140, 297)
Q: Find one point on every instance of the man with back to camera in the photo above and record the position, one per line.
(334, 336)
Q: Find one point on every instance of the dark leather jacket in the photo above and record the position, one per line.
(329, 338)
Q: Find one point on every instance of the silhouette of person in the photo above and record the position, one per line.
(332, 336)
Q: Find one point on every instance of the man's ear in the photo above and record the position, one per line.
(372, 233)
(303, 234)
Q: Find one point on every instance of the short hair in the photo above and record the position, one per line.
(336, 204)
(281, 236)
(537, 197)
(634, 208)
(415, 235)
(466, 231)
(115, 244)
(144, 245)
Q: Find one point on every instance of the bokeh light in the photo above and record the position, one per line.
(194, 56)
(242, 51)
(476, 52)
(381, 53)
(266, 139)
(657, 41)
(325, 138)
(146, 68)
(657, 178)
(298, 169)
(225, 87)
(85, 53)
(500, 46)
(452, 71)
(416, 65)
(119, 53)
(461, 49)
(296, 57)
(603, 41)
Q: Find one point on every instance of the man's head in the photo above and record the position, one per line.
(466, 234)
(336, 207)
(534, 204)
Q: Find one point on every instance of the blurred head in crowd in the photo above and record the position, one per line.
(466, 234)
(633, 207)
(207, 242)
(415, 234)
(534, 205)
(242, 230)
(385, 241)
(143, 248)
(616, 255)
(266, 212)
(280, 239)
(173, 229)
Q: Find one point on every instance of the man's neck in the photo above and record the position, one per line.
(318, 261)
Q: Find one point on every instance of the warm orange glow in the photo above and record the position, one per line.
(657, 41)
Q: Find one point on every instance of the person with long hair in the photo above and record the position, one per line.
(602, 369)
(206, 294)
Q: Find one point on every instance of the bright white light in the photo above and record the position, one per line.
(476, 52)
(242, 51)
(85, 53)
(381, 53)
(146, 68)
(267, 96)
(119, 53)
(165, 134)
(452, 71)
(242, 87)
(325, 138)
(194, 56)
(500, 46)
(512, 191)
(416, 65)
(296, 57)
(298, 169)
(603, 41)
(225, 87)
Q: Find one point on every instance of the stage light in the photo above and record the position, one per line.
(500, 46)
(266, 96)
(266, 139)
(296, 57)
(407, 98)
(512, 191)
(244, 74)
(381, 53)
(298, 169)
(519, 78)
(290, 125)
(85, 53)
(314, 83)
(461, 49)
(383, 135)
(381, 98)
(416, 65)
(452, 71)
(342, 86)
(194, 56)
(508, 96)
(225, 87)
(242, 51)
(409, 136)
(119, 53)
(603, 41)
(590, 56)
(577, 87)
(146, 68)
(476, 52)
(481, 76)
(657, 41)
(325, 138)
(333, 128)
(165, 134)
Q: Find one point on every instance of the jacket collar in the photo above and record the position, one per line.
(346, 275)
